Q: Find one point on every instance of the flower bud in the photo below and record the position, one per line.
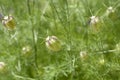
(101, 61)
(110, 10)
(53, 43)
(94, 24)
(9, 22)
(2, 66)
(83, 54)
(94, 20)
(26, 50)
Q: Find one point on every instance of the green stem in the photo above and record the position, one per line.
(35, 47)
(68, 22)
(33, 32)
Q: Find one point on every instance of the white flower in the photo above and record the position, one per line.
(83, 54)
(26, 49)
(53, 43)
(110, 10)
(2, 65)
(8, 22)
(94, 20)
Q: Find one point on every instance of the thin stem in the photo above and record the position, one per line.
(68, 23)
(28, 6)
(108, 51)
(35, 47)
(33, 33)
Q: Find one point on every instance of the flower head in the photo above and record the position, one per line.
(8, 22)
(95, 24)
(83, 54)
(93, 20)
(110, 10)
(2, 66)
(53, 43)
(26, 50)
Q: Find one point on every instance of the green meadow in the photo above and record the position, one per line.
(59, 39)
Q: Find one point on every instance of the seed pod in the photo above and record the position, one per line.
(9, 22)
(53, 43)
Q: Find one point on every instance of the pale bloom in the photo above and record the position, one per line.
(53, 43)
(2, 65)
(94, 20)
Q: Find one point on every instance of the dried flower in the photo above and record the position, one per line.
(53, 43)
(8, 22)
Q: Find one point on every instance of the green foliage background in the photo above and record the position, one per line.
(68, 20)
